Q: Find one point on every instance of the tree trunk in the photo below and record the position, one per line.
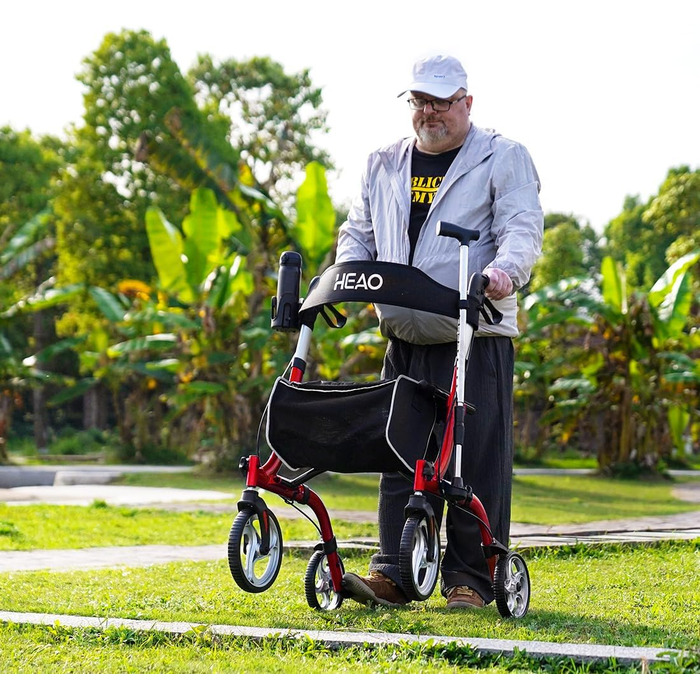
(42, 337)
(95, 408)
(6, 406)
(41, 419)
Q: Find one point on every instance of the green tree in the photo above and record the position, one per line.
(674, 213)
(630, 240)
(131, 82)
(28, 167)
(199, 358)
(646, 237)
(150, 137)
(568, 250)
(273, 117)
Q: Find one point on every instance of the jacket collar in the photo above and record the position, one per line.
(475, 149)
(397, 162)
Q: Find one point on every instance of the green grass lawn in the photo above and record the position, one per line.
(614, 594)
(546, 500)
(617, 595)
(32, 649)
(75, 527)
(339, 491)
(554, 500)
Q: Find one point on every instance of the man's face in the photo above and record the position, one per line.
(438, 131)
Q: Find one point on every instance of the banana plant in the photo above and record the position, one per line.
(621, 380)
(216, 272)
(191, 357)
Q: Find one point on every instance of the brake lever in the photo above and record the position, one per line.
(340, 319)
(496, 316)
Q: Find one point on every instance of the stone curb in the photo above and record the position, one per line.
(579, 652)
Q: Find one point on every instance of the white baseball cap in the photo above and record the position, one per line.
(439, 76)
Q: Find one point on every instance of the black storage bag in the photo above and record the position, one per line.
(354, 428)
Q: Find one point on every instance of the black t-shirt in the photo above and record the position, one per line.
(427, 173)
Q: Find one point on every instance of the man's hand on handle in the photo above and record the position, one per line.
(500, 284)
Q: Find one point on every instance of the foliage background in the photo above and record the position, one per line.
(138, 257)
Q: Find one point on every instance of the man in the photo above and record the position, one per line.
(458, 173)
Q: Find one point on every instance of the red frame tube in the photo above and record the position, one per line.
(432, 485)
(487, 538)
(265, 477)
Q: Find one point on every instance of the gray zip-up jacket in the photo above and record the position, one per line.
(491, 186)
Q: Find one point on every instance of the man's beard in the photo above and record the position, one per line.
(432, 135)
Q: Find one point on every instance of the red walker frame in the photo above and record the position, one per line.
(428, 477)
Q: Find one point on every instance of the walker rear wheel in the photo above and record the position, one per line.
(511, 585)
(318, 584)
(254, 567)
(419, 557)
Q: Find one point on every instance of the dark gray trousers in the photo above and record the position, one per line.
(487, 462)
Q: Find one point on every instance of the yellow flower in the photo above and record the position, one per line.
(134, 289)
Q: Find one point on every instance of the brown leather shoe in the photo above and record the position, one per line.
(375, 588)
(463, 597)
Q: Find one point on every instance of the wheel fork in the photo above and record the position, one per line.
(265, 477)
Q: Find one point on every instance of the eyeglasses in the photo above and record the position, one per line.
(418, 103)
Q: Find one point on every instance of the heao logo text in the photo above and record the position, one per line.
(353, 280)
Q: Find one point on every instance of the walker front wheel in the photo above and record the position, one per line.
(419, 557)
(318, 584)
(511, 585)
(253, 565)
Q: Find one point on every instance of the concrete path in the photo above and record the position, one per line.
(64, 474)
(106, 557)
(86, 494)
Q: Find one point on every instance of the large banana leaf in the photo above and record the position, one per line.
(23, 244)
(666, 282)
(552, 291)
(226, 281)
(315, 227)
(167, 251)
(204, 232)
(614, 285)
(52, 351)
(157, 342)
(161, 320)
(110, 306)
(45, 299)
(672, 295)
(217, 165)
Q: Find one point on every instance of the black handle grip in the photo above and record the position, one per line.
(285, 306)
(464, 235)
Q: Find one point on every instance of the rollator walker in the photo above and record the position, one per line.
(398, 425)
